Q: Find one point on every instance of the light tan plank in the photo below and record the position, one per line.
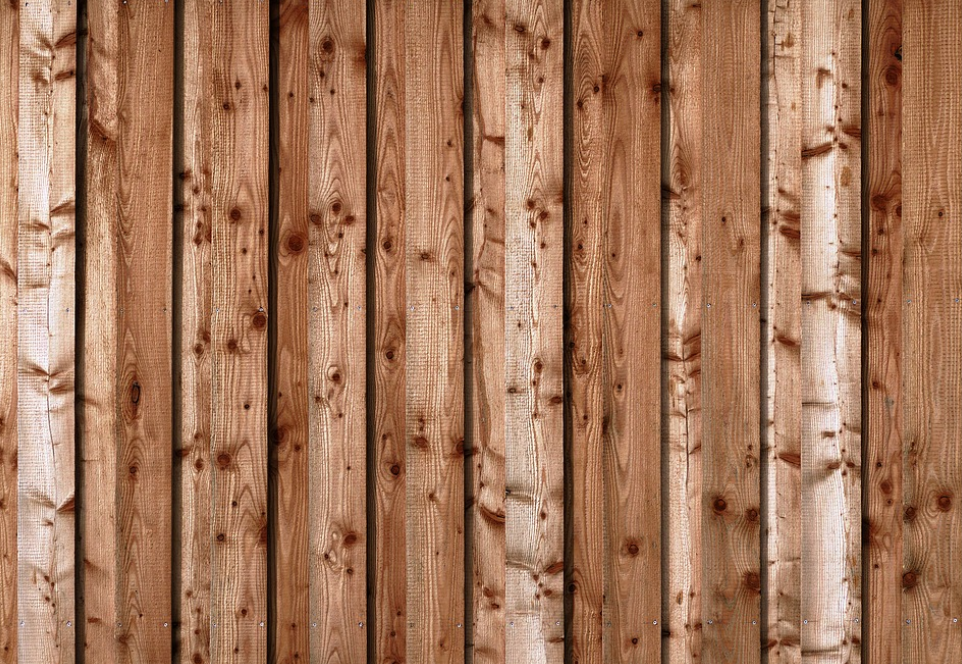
(46, 256)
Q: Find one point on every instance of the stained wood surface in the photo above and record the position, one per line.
(9, 227)
(932, 329)
(290, 409)
(783, 522)
(237, 51)
(831, 335)
(682, 499)
(731, 334)
(486, 334)
(336, 332)
(46, 313)
(434, 262)
(883, 336)
(616, 230)
(389, 577)
(196, 290)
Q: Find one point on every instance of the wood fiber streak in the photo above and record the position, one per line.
(831, 331)
(196, 378)
(144, 200)
(730, 406)
(9, 108)
(290, 402)
(485, 308)
(238, 56)
(617, 203)
(932, 328)
(683, 500)
(434, 257)
(533, 332)
(390, 574)
(101, 358)
(783, 517)
(46, 310)
(336, 330)
(883, 343)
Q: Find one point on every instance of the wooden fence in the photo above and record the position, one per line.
(505, 331)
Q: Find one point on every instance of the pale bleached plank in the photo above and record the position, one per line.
(782, 517)
(682, 600)
(237, 50)
(831, 334)
(336, 331)
(289, 400)
(46, 267)
(883, 336)
(534, 355)
(932, 328)
(434, 258)
(9, 108)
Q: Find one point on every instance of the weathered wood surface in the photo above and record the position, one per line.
(46, 263)
(337, 207)
(932, 332)
(9, 227)
(731, 337)
(883, 460)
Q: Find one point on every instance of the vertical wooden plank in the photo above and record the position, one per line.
(290, 401)
(390, 330)
(434, 256)
(144, 154)
(196, 378)
(831, 334)
(46, 264)
(730, 407)
(585, 294)
(485, 309)
(932, 325)
(783, 498)
(9, 107)
(631, 102)
(238, 52)
(683, 596)
(884, 289)
(533, 363)
(337, 350)
(101, 315)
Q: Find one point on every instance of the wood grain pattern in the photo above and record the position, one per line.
(883, 340)
(196, 375)
(144, 157)
(290, 400)
(238, 54)
(932, 329)
(831, 334)
(9, 109)
(783, 517)
(390, 329)
(46, 286)
(618, 129)
(682, 486)
(434, 258)
(730, 404)
(101, 359)
(485, 309)
(534, 356)
(336, 330)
